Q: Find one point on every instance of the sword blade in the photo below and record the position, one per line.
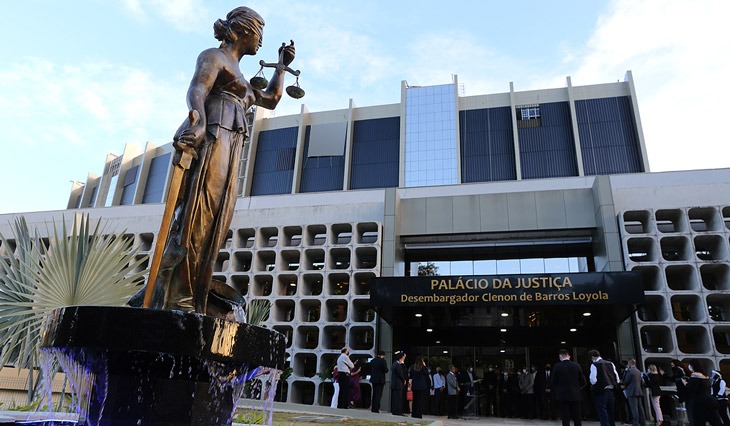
(175, 183)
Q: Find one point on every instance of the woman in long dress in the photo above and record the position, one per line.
(218, 97)
(355, 376)
(421, 383)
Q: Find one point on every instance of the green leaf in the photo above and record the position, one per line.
(257, 311)
(84, 265)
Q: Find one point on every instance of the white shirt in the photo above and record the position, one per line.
(721, 391)
(344, 364)
(594, 372)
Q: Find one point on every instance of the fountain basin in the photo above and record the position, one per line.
(152, 367)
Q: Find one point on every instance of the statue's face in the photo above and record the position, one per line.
(252, 42)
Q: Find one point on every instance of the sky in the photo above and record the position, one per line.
(81, 79)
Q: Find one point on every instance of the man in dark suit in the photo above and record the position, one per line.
(491, 378)
(398, 378)
(542, 392)
(378, 368)
(566, 383)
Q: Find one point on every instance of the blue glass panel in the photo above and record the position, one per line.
(156, 179)
(321, 173)
(274, 165)
(487, 148)
(549, 150)
(608, 136)
(130, 178)
(375, 153)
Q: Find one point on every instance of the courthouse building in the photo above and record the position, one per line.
(476, 230)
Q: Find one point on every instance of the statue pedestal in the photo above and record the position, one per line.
(151, 367)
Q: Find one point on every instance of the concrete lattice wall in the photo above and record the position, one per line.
(316, 277)
(684, 254)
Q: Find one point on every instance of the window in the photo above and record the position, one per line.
(551, 265)
(530, 112)
(528, 116)
(114, 167)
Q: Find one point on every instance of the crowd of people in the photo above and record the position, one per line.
(610, 393)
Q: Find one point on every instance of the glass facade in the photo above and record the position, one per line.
(431, 150)
(501, 267)
(130, 179)
(156, 179)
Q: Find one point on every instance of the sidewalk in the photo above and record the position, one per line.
(366, 414)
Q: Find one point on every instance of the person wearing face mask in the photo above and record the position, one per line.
(542, 393)
(527, 393)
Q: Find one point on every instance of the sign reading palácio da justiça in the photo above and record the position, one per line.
(527, 289)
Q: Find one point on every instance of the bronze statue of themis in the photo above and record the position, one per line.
(202, 194)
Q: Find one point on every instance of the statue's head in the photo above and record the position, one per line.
(240, 22)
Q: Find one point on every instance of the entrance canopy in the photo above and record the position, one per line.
(532, 306)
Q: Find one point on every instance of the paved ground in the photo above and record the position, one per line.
(6, 416)
(427, 420)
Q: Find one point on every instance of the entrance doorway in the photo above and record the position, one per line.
(483, 358)
(525, 334)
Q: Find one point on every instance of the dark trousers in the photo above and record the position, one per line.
(343, 400)
(436, 405)
(507, 402)
(453, 406)
(703, 413)
(545, 404)
(377, 396)
(419, 403)
(491, 399)
(396, 401)
(404, 398)
(722, 408)
(442, 403)
(539, 405)
(604, 407)
(621, 406)
(636, 407)
(570, 410)
(527, 405)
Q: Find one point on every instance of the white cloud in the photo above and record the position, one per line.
(186, 15)
(58, 119)
(63, 118)
(678, 54)
(135, 8)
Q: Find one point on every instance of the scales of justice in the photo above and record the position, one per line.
(175, 356)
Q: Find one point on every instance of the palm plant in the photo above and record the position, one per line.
(80, 266)
(257, 311)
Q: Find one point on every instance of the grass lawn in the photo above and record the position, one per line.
(291, 419)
